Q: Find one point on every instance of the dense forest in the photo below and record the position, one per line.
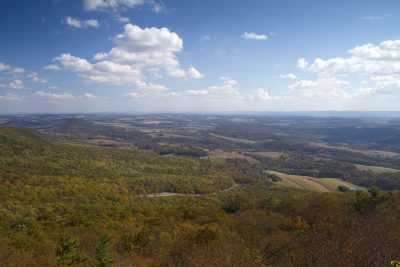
(74, 204)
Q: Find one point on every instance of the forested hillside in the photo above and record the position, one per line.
(69, 204)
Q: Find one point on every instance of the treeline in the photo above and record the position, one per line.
(304, 148)
(25, 154)
(74, 205)
(253, 226)
(180, 151)
(322, 168)
(384, 181)
(309, 166)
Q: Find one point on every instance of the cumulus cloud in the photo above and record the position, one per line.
(7, 68)
(261, 94)
(372, 17)
(193, 73)
(122, 19)
(228, 90)
(18, 70)
(136, 39)
(11, 97)
(16, 84)
(222, 96)
(148, 91)
(54, 96)
(74, 63)
(101, 72)
(365, 59)
(35, 78)
(302, 63)
(152, 87)
(65, 96)
(289, 76)
(387, 81)
(88, 95)
(254, 36)
(320, 88)
(204, 38)
(4, 67)
(115, 5)
(380, 86)
(378, 65)
(157, 6)
(52, 67)
(136, 51)
(81, 24)
(132, 95)
(110, 4)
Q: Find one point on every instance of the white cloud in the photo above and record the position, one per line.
(254, 36)
(152, 87)
(74, 63)
(8, 68)
(52, 67)
(16, 84)
(11, 97)
(320, 88)
(225, 93)
(198, 92)
(204, 38)
(157, 6)
(372, 17)
(122, 19)
(81, 24)
(54, 96)
(387, 81)
(302, 63)
(4, 67)
(89, 95)
(220, 52)
(365, 59)
(289, 76)
(132, 95)
(194, 73)
(261, 94)
(115, 5)
(18, 76)
(148, 90)
(137, 51)
(18, 70)
(228, 90)
(380, 86)
(101, 72)
(377, 64)
(136, 39)
(110, 4)
(35, 78)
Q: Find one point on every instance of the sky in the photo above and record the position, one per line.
(72, 56)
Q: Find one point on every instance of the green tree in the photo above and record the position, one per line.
(104, 254)
(69, 251)
(232, 203)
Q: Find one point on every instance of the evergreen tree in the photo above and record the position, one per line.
(104, 254)
(69, 251)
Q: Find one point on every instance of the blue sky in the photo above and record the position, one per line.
(165, 55)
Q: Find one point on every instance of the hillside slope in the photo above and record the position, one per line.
(26, 153)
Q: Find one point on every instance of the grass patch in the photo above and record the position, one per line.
(219, 154)
(311, 183)
(376, 169)
(234, 139)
